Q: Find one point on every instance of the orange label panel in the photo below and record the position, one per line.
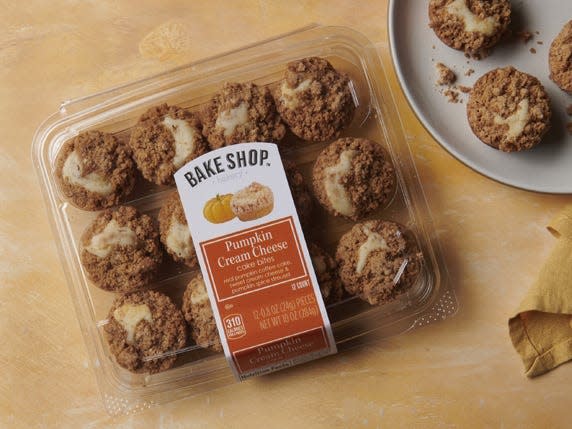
(264, 256)
(257, 269)
(280, 350)
(264, 295)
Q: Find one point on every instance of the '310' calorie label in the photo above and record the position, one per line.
(258, 272)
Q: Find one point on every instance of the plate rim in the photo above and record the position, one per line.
(391, 29)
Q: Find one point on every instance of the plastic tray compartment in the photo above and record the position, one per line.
(117, 110)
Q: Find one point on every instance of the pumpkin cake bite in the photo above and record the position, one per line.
(175, 233)
(199, 315)
(120, 250)
(315, 99)
(472, 26)
(300, 193)
(95, 170)
(241, 112)
(144, 331)
(560, 58)
(326, 268)
(166, 138)
(378, 260)
(352, 177)
(509, 110)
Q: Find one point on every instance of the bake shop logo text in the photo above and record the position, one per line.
(232, 161)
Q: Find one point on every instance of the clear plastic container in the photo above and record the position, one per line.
(117, 110)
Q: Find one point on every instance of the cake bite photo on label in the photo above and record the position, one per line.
(253, 202)
(250, 203)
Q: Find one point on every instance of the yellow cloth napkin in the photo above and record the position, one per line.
(541, 330)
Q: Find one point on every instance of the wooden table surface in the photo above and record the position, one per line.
(461, 372)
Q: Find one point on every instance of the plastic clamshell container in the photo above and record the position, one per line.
(117, 110)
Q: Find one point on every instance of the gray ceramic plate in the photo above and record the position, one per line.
(415, 50)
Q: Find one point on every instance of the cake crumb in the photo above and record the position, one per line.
(446, 75)
(464, 89)
(537, 32)
(532, 51)
(469, 72)
(569, 110)
(540, 42)
(524, 36)
(452, 96)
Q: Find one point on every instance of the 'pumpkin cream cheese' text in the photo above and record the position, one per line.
(257, 245)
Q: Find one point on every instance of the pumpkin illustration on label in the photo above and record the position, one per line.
(217, 209)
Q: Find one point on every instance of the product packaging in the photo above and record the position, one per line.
(197, 369)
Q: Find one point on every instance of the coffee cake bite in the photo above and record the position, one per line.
(300, 192)
(509, 110)
(315, 99)
(472, 26)
(378, 260)
(175, 233)
(95, 170)
(560, 58)
(352, 177)
(166, 138)
(199, 315)
(120, 250)
(326, 271)
(252, 202)
(144, 330)
(241, 112)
